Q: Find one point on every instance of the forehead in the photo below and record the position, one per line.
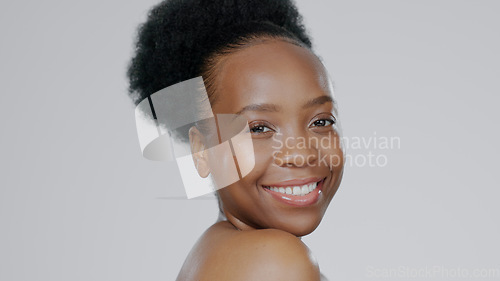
(270, 72)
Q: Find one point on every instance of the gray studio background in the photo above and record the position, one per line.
(78, 202)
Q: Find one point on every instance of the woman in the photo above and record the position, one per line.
(256, 61)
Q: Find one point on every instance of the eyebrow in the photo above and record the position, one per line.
(269, 107)
(265, 107)
(317, 101)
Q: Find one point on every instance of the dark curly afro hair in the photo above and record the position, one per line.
(181, 38)
(184, 39)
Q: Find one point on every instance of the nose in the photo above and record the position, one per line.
(296, 151)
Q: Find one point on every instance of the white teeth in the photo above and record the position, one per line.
(305, 189)
(295, 190)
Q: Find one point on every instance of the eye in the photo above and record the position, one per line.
(324, 122)
(259, 129)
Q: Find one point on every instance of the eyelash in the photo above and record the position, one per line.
(264, 125)
(329, 119)
(252, 127)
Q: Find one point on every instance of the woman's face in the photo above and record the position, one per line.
(285, 94)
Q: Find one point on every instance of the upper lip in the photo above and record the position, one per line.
(295, 182)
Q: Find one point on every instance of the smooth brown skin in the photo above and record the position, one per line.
(257, 236)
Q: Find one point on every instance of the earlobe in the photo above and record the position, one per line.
(198, 151)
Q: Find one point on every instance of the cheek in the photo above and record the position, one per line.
(263, 156)
(222, 165)
(332, 155)
(249, 184)
(238, 162)
(330, 151)
(234, 158)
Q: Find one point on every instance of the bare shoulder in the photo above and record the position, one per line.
(266, 254)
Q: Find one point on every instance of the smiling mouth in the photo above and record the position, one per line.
(295, 188)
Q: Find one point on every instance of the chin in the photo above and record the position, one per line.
(301, 229)
(300, 224)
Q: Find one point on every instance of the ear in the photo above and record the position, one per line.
(200, 156)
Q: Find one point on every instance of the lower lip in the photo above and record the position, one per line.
(298, 200)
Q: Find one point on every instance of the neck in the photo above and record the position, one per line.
(221, 217)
